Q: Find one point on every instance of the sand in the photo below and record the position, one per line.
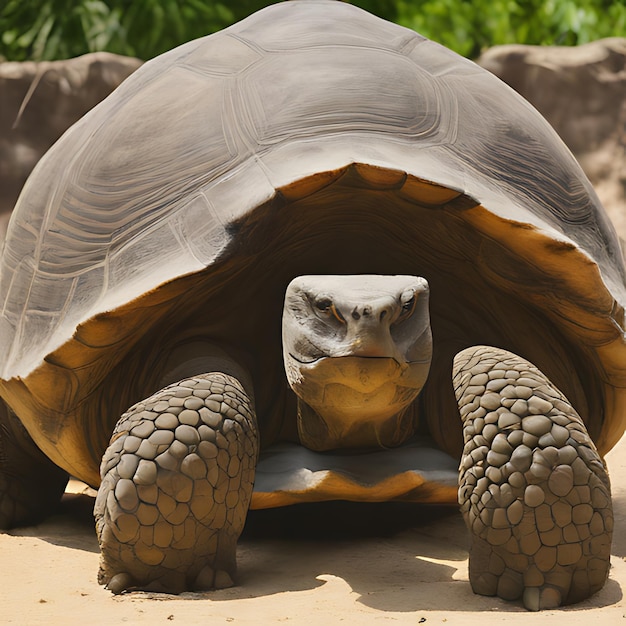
(335, 564)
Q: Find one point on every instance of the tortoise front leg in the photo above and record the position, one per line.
(533, 490)
(176, 485)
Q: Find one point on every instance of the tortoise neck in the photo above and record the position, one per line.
(319, 433)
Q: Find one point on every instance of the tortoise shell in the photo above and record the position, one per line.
(309, 138)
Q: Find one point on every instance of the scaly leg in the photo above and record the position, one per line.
(533, 490)
(176, 485)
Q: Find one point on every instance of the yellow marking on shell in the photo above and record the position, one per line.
(427, 193)
(311, 184)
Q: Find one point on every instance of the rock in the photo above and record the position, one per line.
(38, 102)
(581, 91)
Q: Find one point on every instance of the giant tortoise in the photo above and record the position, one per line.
(428, 242)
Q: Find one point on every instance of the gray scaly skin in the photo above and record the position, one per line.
(533, 490)
(176, 486)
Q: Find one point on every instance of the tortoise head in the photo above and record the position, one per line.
(357, 352)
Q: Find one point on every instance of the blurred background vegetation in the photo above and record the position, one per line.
(56, 29)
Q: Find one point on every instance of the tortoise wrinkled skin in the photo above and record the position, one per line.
(432, 248)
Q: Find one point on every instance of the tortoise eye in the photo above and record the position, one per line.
(323, 304)
(326, 306)
(408, 300)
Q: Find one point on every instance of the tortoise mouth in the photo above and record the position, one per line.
(317, 359)
(357, 402)
(311, 361)
(363, 374)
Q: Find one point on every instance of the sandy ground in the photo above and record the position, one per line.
(335, 564)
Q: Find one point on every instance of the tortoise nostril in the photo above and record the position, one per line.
(367, 311)
(355, 314)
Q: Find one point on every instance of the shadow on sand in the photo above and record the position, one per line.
(395, 557)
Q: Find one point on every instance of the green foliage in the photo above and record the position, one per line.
(470, 26)
(54, 29)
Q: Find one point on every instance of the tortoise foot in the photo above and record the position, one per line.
(533, 490)
(176, 485)
(31, 485)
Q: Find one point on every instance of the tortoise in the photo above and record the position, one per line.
(416, 231)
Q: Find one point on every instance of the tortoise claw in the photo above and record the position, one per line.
(120, 583)
(208, 579)
(536, 599)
